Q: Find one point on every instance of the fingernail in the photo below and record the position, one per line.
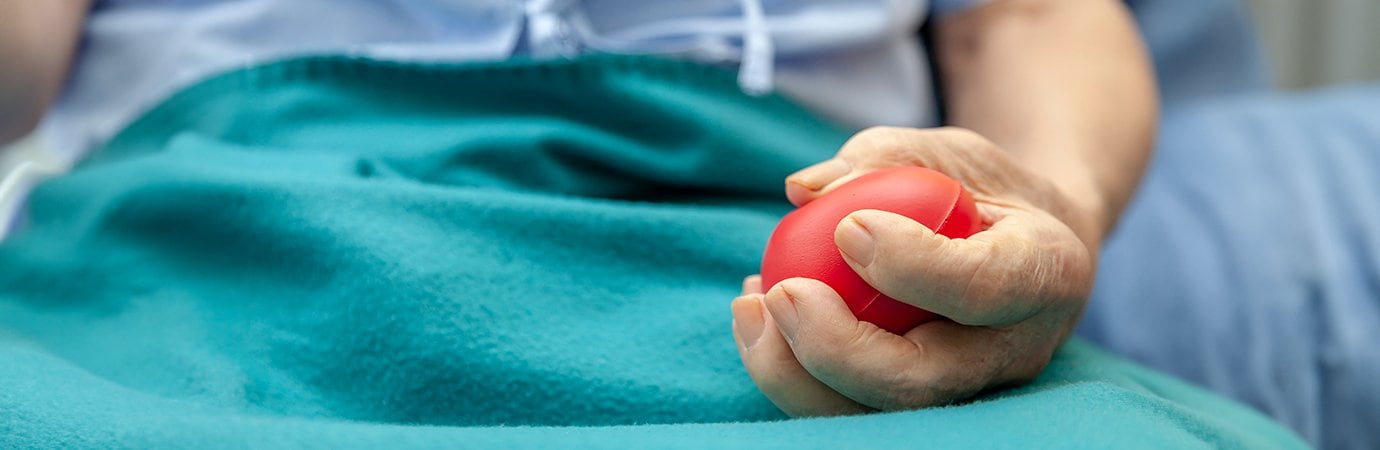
(781, 304)
(818, 176)
(748, 321)
(855, 241)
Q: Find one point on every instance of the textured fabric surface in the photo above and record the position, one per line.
(1250, 262)
(347, 253)
(339, 252)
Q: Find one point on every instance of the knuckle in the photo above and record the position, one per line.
(869, 138)
(985, 286)
(828, 349)
(862, 336)
(843, 352)
(879, 131)
(883, 146)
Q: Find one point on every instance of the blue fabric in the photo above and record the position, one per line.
(334, 252)
(1250, 261)
(1201, 48)
(853, 60)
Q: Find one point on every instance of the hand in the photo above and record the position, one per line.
(1012, 292)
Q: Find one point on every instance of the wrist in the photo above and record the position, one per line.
(1087, 211)
(1078, 196)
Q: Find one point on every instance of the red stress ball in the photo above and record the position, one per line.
(803, 243)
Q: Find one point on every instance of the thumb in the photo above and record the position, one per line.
(969, 281)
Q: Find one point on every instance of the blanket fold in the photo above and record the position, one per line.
(332, 251)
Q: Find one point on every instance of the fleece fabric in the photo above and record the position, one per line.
(337, 252)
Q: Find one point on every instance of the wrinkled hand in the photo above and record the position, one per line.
(1012, 292)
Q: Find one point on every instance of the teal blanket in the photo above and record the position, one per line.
(335, 252)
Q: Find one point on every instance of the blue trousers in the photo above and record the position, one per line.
(1250, 260)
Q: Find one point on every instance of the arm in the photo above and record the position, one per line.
(37, 41)
(1059, 105)
(1065, 86)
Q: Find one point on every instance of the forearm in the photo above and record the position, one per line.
(37, 39)
(1065, 86)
